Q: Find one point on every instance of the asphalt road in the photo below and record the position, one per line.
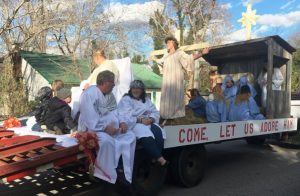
(234, 169)
(238, 169)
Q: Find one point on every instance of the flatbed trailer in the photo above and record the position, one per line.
(26, 155)
(185, 144)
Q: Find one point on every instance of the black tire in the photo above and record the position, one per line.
(148, 177)
(187, 165)
(256, 140)
(293, 140)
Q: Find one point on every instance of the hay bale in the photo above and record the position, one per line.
(189, 118)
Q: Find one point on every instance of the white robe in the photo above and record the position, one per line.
(262, 81)
(172, 92)
(97, 111)
(130, 109)
(277, 80)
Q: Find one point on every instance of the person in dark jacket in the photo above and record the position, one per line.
(44, 95)
(58, 117)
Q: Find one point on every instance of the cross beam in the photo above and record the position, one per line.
(184, 48)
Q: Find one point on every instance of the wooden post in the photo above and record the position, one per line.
(270, 106)
(289, 84)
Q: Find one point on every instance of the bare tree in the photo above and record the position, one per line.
(22, 26)
(160, 27)
(294, 38)
(197, 21)
(84, 23)
(207, 21)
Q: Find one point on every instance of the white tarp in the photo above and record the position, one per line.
(62, 140)
(126, 76)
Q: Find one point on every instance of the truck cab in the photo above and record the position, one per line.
(295, 107)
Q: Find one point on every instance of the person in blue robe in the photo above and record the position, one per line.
(197, 103)
(216, 110)
(244, 81)
(244, 107)
(229, 89)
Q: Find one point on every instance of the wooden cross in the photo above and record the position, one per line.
(249, 18)
(184, 48)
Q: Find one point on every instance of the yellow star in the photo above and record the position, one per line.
(248, 18)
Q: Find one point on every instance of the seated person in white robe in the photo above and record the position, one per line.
(244, 107)
(141, 116)
(98, 113)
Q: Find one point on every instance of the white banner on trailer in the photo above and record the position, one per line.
(181, 135)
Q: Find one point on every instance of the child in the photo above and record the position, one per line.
(229, 88)
(244, 107)
(56, 86)
(197, 103)
(58, 117)
(244, 81)
(44, 95)
(216, 109)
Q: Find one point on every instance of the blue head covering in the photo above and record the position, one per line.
(244, 81)
(226, 79)
(229, 93)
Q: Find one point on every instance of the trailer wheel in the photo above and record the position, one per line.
(256, 140)
(187, 166)
(148, 177)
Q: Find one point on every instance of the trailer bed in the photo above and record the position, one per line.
(24, 154)
(27, 154)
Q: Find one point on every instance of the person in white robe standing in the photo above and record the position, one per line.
(277, 80)
(98, 113)
(141, 116)
(175, 63)
(262, 81)
(103, 64)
